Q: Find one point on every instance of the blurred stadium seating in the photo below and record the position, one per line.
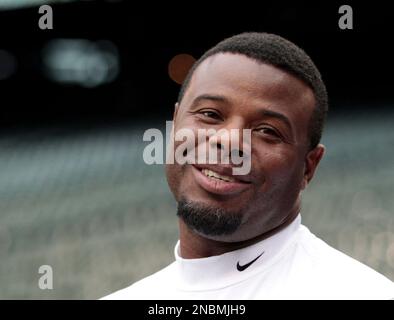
(87, 205)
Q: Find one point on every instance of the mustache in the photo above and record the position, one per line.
(241, 167)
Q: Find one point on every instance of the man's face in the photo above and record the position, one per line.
(229, 91)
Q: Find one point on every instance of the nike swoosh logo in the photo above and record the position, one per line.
(242, 268)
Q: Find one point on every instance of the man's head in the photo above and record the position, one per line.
(265, 83)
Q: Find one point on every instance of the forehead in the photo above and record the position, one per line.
(249, 83)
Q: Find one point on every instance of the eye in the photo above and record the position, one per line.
(210, 114)
(269, 131)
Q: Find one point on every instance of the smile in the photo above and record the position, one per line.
(217, 182)
(215, 175)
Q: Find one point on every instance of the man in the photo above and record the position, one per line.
(240, 237)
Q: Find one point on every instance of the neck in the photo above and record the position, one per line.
(194, 245)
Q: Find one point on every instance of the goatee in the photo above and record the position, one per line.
(208, 220)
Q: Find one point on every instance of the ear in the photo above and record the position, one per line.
(175, 112)
(311, 162)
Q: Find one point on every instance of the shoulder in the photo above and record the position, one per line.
(339, 273)
(146, 287)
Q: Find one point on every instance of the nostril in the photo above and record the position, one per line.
(237, 153)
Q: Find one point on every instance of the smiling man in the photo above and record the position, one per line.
(240, 236)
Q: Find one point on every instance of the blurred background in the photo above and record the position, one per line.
(75, 101)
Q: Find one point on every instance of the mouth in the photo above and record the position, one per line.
(215, 180)
(215, 175)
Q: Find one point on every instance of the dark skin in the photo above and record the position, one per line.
(232, 91)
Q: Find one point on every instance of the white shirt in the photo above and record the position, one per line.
(292, 264)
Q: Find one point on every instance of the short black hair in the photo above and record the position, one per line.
(279, 52)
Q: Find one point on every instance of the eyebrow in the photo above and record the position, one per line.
(277, 115)
(209, 97)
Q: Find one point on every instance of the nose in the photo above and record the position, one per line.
(235, 151)
(229, 141)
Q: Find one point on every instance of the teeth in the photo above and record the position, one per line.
(213, 174)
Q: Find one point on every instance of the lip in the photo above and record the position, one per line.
(215, 185)
(225, 170)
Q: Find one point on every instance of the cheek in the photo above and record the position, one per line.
(279, 168)
(179, 174)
